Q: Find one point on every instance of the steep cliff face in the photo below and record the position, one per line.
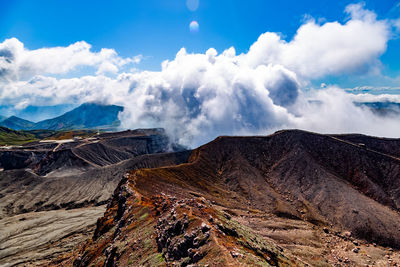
(291, 198)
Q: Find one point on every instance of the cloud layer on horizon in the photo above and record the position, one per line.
(197, 97)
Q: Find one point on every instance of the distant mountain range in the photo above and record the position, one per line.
(382, 108)
(16, 123)
(86, 116)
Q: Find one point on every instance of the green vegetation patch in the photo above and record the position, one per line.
(12, 137)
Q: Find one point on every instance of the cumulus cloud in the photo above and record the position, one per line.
(42, 91)
(17, 62)
(333, 111)
(328, 49)
(197, 97)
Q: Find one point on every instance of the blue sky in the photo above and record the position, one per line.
(294, 64)
(158, 29)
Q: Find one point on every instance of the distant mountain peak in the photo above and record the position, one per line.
(89, 115)
(17, 123)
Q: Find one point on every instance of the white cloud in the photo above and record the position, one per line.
(197, 97)
(365, 98)
(333, 111)
(396, 25)
(328, 49)
(47, 91)
(17, 62)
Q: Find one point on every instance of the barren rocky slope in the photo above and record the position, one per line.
(105, 149)
(293, 198)
(51, 202)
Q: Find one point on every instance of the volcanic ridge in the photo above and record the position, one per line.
(293, 198)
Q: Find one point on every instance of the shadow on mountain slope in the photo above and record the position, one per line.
(290, 198)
